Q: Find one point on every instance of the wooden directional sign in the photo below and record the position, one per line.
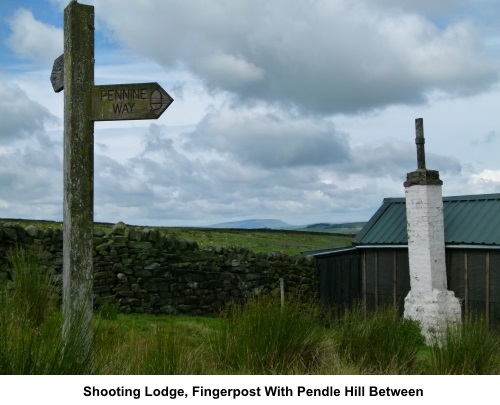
(85, 103)
(57, 75)
(135, 101)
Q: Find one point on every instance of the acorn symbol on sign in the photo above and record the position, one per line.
(156, 100)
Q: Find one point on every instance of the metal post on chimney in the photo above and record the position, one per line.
(420, 141)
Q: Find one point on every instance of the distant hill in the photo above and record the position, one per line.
(254, 224)
(347, 227)
(350, 228)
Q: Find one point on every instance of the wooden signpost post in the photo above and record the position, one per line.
(85, 103)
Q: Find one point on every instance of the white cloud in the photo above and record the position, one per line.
(20, 117)
(265, 121)
(484, 177)
(31, 179)
(34, 40)
(421, 5)
(448, 60)
(323, 56)
(229, 70)
(271, 138)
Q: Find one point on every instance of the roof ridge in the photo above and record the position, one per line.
(471, 219)
(465, 197)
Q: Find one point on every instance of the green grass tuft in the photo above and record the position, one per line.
(467, 348)
(263, 338)
(108, 310)
(33, 294)
(381, 342)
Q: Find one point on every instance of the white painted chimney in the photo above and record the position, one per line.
(428, 302)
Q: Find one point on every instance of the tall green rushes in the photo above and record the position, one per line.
(30, 326)
(24, 314)
(33, 293)
(169, 353)
(380, 342)
(263, 338)
(467, 348)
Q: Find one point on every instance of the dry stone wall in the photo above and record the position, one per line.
(148, 271)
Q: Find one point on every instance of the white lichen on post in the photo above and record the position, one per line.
(78, 175)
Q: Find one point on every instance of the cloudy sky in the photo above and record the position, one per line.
(300, 110)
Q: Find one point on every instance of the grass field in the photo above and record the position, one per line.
(258, 339)
(290, 242)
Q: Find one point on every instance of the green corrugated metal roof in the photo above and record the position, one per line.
(469, 219)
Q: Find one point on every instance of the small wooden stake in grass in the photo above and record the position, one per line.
(282, 292)
(78, 174)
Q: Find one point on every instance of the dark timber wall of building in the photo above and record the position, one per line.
(340, 279)
(380, 276)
